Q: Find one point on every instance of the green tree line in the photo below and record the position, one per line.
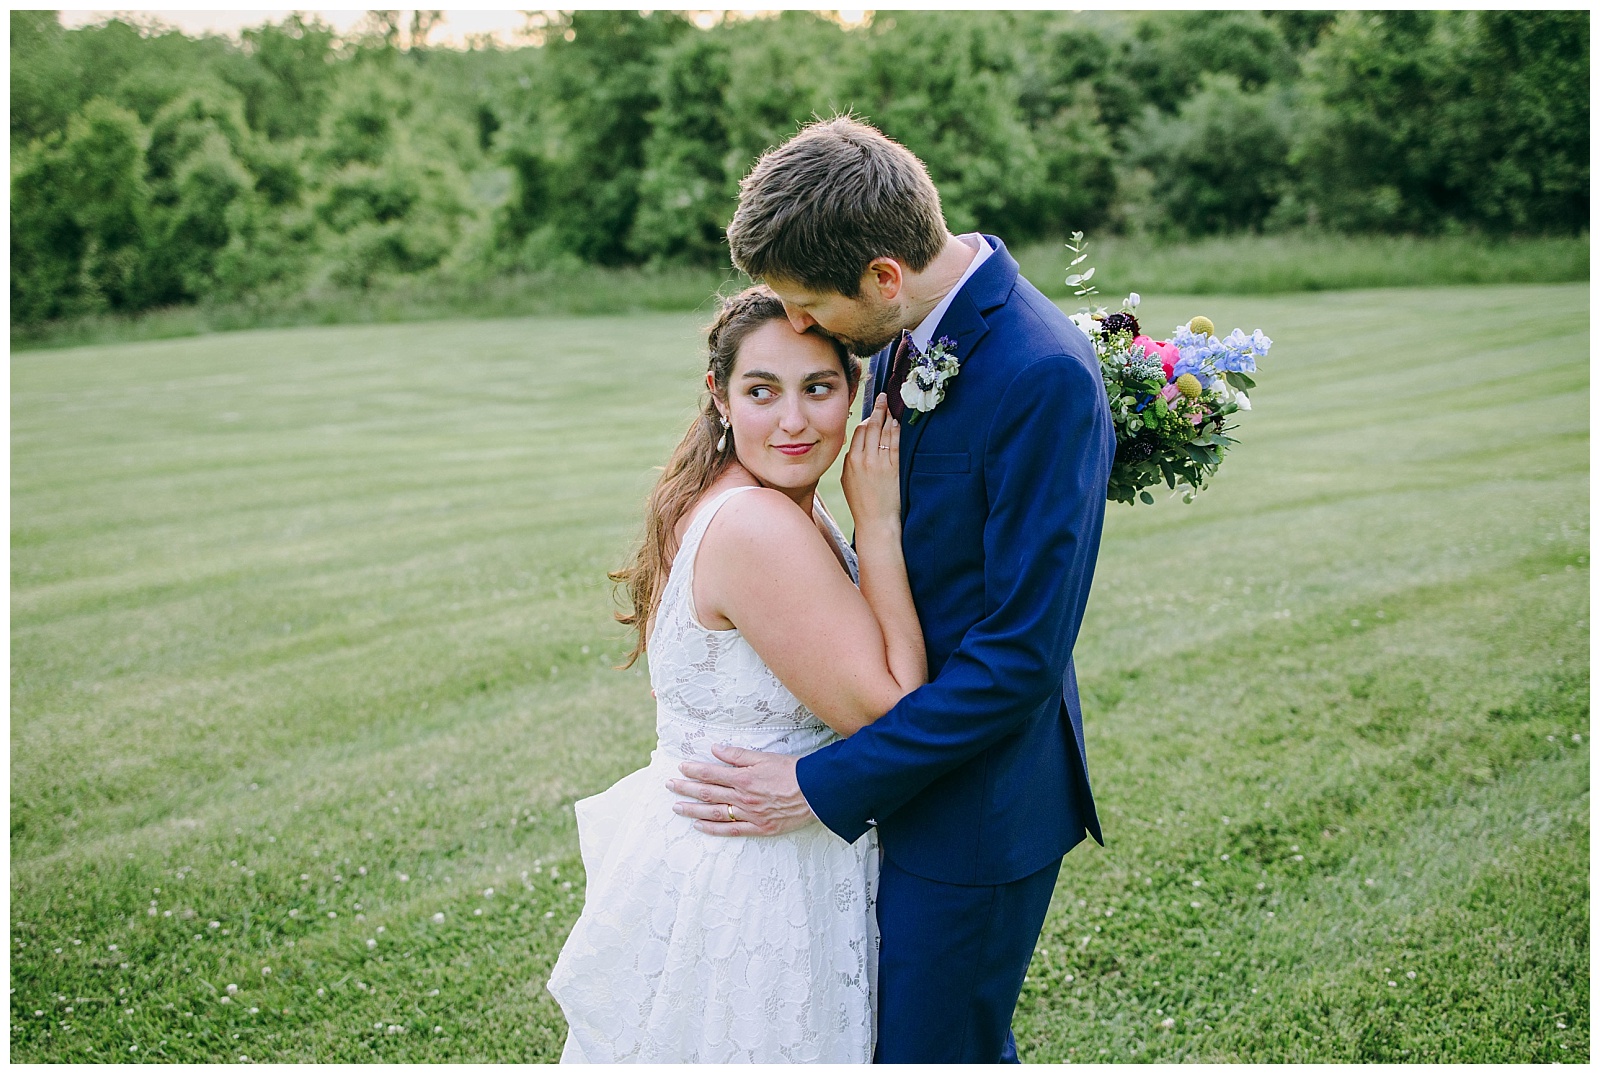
(151, 169)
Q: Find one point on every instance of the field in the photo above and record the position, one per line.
(1226, 265)
(311, 651)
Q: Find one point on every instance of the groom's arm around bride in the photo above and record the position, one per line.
(977, 781)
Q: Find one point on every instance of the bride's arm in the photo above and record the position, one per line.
(764, 567)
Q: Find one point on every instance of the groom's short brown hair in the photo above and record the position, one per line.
(817, 209)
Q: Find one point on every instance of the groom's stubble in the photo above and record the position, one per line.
(877, 327)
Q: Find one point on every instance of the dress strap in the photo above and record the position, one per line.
(702, 519)
(681, 576)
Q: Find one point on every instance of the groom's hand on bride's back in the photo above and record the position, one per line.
(759, 789)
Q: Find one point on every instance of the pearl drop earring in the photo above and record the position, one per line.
(722, 445)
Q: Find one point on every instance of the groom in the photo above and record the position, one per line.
(977, 781)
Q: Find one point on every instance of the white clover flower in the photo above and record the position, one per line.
(372, 943)
(233, 989)
(438, 919)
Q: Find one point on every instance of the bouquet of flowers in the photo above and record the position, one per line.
(1170, 399)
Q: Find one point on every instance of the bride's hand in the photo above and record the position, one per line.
(872, 470)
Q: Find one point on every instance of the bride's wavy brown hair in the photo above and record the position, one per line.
(696, 462)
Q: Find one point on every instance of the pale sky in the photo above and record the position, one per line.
(505, 26)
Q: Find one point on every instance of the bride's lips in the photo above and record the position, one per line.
(794, 449)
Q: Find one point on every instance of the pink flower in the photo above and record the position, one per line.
(1165, 351)
(1170, 392)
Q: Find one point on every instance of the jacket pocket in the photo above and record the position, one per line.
(926, 462)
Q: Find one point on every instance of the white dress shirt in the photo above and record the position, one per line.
(922, 335)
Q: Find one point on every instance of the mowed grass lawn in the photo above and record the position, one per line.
(310, 658)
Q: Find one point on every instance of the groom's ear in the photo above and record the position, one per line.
(884, 278)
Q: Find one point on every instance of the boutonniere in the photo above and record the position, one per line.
(924, 388)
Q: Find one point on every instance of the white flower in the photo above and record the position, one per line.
(1133, 300)
(233, 989)
(372, 943)
(916, 398)
(1243, 400)
(1087, 324)
(438, 919)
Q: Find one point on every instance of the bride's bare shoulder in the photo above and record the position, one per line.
(762, 517)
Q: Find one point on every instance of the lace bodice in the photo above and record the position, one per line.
(710, 685)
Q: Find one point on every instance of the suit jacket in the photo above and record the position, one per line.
(979, 777)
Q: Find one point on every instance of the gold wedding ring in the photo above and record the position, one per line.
(731, 818)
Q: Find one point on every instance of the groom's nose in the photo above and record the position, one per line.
(800, 319)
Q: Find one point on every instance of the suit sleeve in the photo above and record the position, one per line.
(1047, 459)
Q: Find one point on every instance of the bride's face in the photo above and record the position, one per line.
(789, 402)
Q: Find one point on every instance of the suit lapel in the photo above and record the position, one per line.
(877, 379)
(964, 323)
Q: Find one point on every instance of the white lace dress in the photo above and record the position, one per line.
(700, 948)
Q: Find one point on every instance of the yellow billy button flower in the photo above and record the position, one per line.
(1202, 326)
(1189, 385)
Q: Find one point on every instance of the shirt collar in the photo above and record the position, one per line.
(922, 335)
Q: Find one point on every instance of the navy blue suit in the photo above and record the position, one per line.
(977, 781)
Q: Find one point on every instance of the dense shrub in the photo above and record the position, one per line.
(152, 168)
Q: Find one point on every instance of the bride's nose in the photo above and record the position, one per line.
(792, 415)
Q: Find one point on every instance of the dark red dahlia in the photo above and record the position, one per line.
(1121, 322)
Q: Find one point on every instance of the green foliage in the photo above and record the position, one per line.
(1171, 52)
(1220, 163)
(285, 73)
(1419, 121)
(295, 160)
(685, 200)
(79, 209)
(941, 83)
(579, 153)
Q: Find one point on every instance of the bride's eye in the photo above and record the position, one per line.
(819, 390)
(762, 393)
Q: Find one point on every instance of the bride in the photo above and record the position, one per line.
(691, 947)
